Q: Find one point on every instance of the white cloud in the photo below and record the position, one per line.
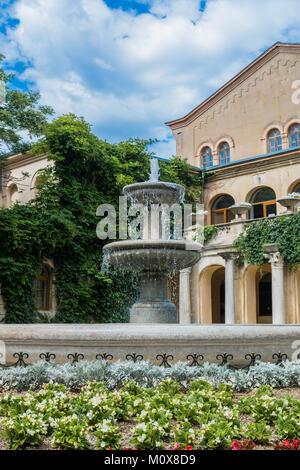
(128, 73)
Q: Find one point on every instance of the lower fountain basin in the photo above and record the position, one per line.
(153, 260)
(153, 255)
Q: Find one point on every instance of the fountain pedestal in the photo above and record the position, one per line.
(153, 305)
(155, 255)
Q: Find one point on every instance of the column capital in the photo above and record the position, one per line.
(273, 255)
(227, 255)
(186, 270)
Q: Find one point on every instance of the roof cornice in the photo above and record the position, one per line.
(245, 73)
(21, 159)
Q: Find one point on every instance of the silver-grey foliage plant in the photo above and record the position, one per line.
(146, 374)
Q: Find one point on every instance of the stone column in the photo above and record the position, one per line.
(277, 264)
(185, 297)
(230, 257)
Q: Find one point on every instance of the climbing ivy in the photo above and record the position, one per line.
(284, 230)
(60, 224)
(205, 233)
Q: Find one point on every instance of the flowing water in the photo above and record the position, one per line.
(154, 170)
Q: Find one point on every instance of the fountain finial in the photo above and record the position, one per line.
(154, 170)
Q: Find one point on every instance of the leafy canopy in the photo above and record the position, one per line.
(21, 117)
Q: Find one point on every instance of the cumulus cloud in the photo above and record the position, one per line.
(128, 73)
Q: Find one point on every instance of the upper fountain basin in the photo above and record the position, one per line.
(153, 255)
(154, 193)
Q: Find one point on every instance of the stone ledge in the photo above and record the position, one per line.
(149, 340)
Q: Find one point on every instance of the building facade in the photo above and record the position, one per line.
(248, 134)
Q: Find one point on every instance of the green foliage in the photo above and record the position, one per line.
(205, 233)
(179, 171)
(19, 115)
(144, 373)
(158, 417)
(258, 432)
(108, 435)
(282, 230)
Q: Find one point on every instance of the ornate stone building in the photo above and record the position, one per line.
(248, 134)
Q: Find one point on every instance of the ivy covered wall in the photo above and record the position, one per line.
(60, 224)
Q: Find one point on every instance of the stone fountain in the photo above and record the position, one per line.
(153, 256)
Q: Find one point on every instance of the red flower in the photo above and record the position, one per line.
(189, 447)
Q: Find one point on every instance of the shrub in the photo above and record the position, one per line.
(145, 374)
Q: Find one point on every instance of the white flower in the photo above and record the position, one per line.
(142, 426)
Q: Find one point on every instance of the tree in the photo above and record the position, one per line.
(21, 117)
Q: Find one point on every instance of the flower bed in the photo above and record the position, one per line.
(148, 375)
(168, 416)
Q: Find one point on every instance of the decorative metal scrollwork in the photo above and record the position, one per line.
(279, 357)
(20, 361)
(225, 358)
(104, 357)
(165, 358)
(194, 358)
(76, 357)
(47, 356)
(134, 357)
(253, 358)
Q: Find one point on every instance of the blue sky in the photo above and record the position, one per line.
(128, 66)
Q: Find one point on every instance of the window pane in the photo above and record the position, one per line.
(265, 194)
(223, 202)
(271, 209)
(41, 294)
(229, 216)
(217, 218)
(297, 189)
(207, 157)
(258, 211)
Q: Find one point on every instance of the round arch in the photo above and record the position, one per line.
(293, 134)
(224, 138)
(12, 193)
(206, 143)
(289, 124)
(294, 187)
(263, 200)
(272, 125)
(209, 301)
(253, 296)
(219, 209)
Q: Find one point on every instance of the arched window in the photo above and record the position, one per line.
(224, 153)
(294, 135)
(263, 203)
(207, 157)
(42, 289)
(220, 214)
(297, 188)
(274, 141)
(13, 194)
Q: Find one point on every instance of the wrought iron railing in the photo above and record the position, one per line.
(165, 360)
